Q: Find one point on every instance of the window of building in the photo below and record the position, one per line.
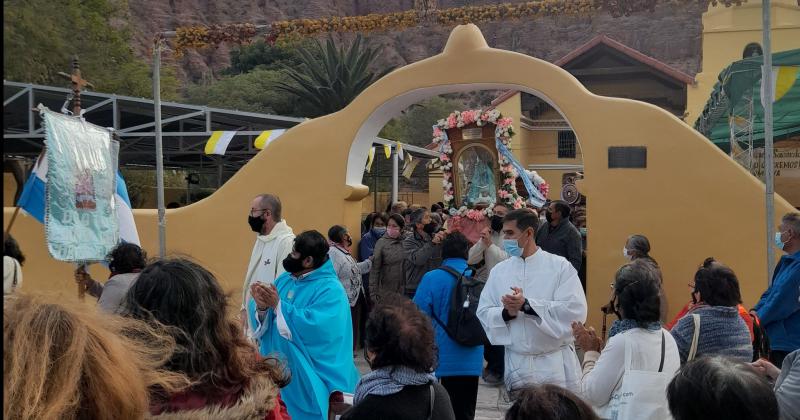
(567, 145)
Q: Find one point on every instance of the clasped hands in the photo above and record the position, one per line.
(513, 302)
(586, 338)
(266, 296)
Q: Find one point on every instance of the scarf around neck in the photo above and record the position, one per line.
(389, 380)
(621, 325)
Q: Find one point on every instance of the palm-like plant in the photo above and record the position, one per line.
(329, 78)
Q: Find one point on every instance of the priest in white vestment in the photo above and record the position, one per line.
(529, 304)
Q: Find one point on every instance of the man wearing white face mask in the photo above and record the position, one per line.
(528, 305)
(779, 309)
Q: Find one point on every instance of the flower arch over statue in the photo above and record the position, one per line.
(506, 188)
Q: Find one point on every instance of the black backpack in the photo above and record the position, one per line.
(463, 325)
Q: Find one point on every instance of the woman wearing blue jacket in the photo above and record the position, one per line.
(459, 366)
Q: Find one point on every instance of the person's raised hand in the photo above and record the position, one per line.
(266, 296)
(439, 237)
(766, 369)
(82, 278)
(513, 302)
(586, 338)
(486, 236)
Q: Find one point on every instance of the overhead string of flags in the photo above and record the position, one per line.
(409, 163)
(218, 142)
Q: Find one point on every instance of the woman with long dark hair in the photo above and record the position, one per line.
(213, 353)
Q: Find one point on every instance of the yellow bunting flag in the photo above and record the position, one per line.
(218, 142)
(370, 158)
(399, 150)
(266, 138)
(387, 150)
(410, 166)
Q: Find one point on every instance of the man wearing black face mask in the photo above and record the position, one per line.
(273, 244)
(423, 249)
(484, 255)
(559, 236)
(304, 318)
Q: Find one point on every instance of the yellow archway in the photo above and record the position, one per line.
(691, 200)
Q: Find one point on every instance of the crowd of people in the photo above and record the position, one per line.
(432, 314)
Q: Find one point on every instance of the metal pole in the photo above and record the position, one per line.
(162, 222)
(769, 156)
(375, 181)
(395, 165)
(219, 171)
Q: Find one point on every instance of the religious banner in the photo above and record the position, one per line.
(81, 222)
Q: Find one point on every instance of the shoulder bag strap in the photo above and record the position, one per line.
(663, 351)
(452, 272)
(695, 337)
(433, 399)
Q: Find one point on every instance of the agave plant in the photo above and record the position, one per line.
(329, 78)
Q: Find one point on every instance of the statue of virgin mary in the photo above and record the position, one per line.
(482, 189)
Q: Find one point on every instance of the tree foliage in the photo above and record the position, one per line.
(414, 125)
(330, 77)
(263, 56)
(41, 36)
(253, 91)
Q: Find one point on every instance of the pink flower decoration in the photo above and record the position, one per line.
(544, 189)
(452, 121)
(437, 132)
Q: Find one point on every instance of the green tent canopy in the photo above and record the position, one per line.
(740, 82)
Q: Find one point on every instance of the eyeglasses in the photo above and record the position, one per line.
(252, 211)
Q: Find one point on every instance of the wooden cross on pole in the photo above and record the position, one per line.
(78, 83)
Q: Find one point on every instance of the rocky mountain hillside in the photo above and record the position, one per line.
(671, 33)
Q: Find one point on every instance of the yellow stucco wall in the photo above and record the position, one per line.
(727, 30)
(9, 189)
(692, 201)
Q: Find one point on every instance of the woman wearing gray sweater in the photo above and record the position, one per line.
(387, 276)
(714, 319)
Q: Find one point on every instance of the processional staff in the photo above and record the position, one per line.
(77, 84)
